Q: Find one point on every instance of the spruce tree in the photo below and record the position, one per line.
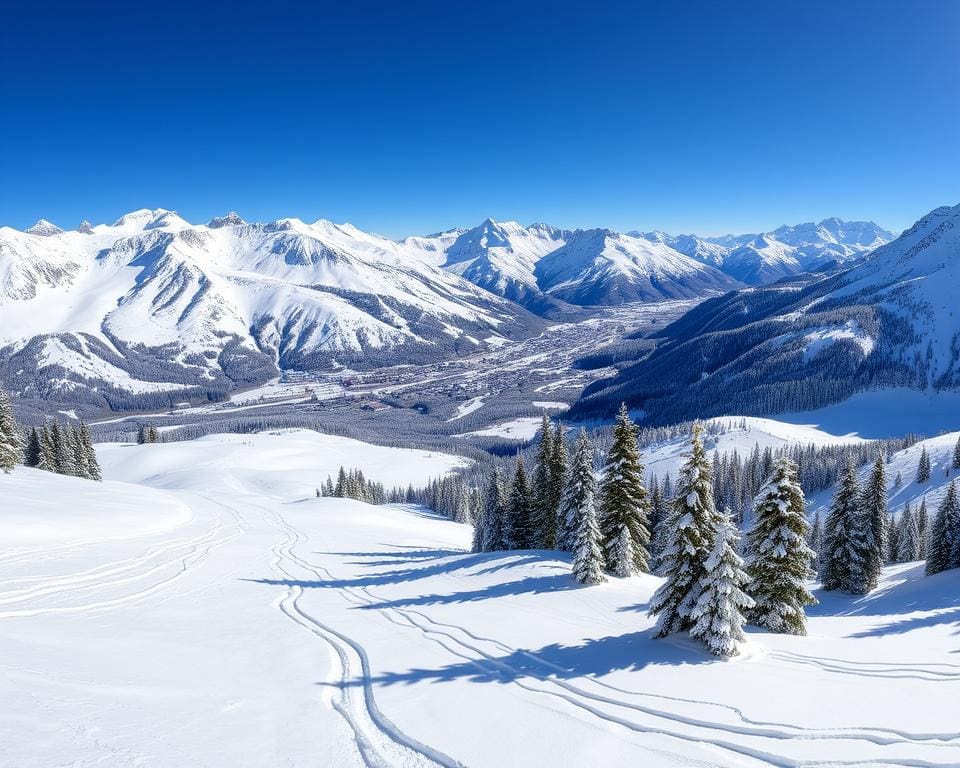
(48, 459)
(956, 455)
(11, 445)
(33, 456)
(559, 466)
(691, 532)
(923, 524)
(844, 551)
(494, 515)
(79, 452)
(659, 513)
(815, 539)
(520, 523)
(718, 615)
(893, 540)
(588, 558)
(908, 536)
(62, 450)
(579, 483)
(943, 529)
(779, 561)
(624, 505)
(873, 506)
(543, 508)
(923, 466)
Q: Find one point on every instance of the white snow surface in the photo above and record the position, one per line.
(267, 627)
(522, 429)
(669, 456)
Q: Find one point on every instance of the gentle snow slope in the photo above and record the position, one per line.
(278, 629)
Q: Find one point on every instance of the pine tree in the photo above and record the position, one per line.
(79, 452)
(543, 508)
(691, 527)
(956, 455)
(815, 539)
(659, 514)
(844, 551)
(33, 456)
(559, 466)
(718, 615)
(580, 482)
(923, 466)
(141, 435)
(779, 562)
(923, 524)
(341, 490)
(624, 505)
(873, 506)
(62, 451)
(588, 558)
(943, 531)
(48, 458)
(11, 445)
(520, 528)
(908, 537)
(496, 523)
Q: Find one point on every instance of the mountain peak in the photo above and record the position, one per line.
(44, 228)
(232, 219)
(85, 228)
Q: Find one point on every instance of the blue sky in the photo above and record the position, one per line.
(419, 116)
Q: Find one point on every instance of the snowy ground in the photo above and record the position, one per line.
(268, 627)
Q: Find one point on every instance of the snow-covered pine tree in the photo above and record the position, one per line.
(718, 614)
(624, 505)
(908, 536)
(588, 560)
(846, 537)
(559, 466)
(580, 483)
(952, 505)
(956, 455)
(496, 527)
(79, 452)
(62, 451)
(923, 466)
(780, 560)
(942, 531)
(691, 526)
(48, 462)
(658, 524)
(873, 506)
(520, 528)
(543, 509)
(141, 435)
(33, 456)
(923, 526)
(11, 445)
(341, 488)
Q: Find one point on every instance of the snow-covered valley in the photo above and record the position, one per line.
(210, 610)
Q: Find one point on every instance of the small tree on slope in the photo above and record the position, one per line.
(559, 461)
(908, 536)
(581, 484)
(718, 615)
(923, 466)
(11, 446)
(956, 455)
(845, 538)
(587, 553)
(944, 533)
(520, 528)
(494, 515)
(779, 562)
(873, 506)
(689, 540)
(543, 508)
(623, 503)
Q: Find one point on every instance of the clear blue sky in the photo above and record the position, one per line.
(411, 117)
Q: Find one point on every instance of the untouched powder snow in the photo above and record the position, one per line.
(275, 628)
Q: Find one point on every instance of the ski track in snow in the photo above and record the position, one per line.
(380, 743)
(704, 731)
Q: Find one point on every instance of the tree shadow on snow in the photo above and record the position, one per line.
(632, 652)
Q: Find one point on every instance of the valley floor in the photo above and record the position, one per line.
(267, 627)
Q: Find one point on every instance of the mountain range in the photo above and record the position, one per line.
(809, 341)
(152, 309)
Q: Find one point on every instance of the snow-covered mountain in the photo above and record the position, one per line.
(597, 266)
(890, 321)
(757, 259)
(137, 312)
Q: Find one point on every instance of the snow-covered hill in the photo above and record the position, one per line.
(118, 315)
(269, 627)
(812, 341)
(788, 250)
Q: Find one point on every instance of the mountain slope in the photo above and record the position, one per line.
(598, 266)
(151, 308)
(810, 341)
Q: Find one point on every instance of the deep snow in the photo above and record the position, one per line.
(274, 628)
